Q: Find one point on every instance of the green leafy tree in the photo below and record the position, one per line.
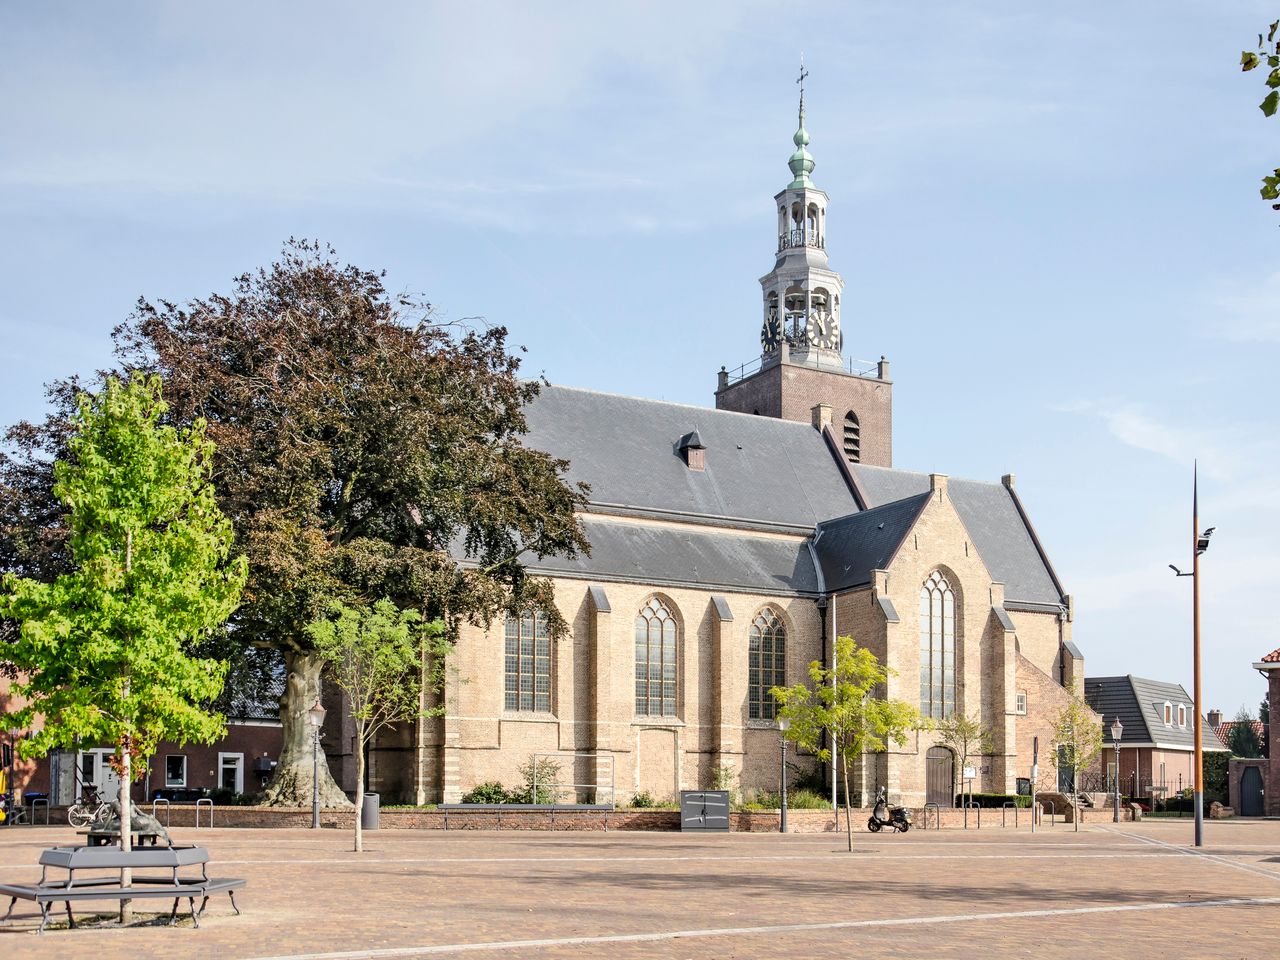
(376, 656)
(1264, 716)
(966, 736)
(1268, 52)
(840, 702)
(1077, 740)
(102, 653)
(1243, 739)
(364, 448)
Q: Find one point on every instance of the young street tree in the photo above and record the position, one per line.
(361, 445)
(375, 655)
(102, 653)
(1077, 741)
(840, 703)
(966, 736)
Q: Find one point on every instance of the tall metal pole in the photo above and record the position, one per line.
(1195, 646)
(315, 778)
(1116, 784)
(782, 824)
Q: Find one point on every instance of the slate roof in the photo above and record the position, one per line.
(761, 473)
(688, 556)
(1139, 703)
(758, 470)
(849, 548)
(991, 515)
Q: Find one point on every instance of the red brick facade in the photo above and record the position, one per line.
(789, 392)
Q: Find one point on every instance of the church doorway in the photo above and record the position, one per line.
(940, 777)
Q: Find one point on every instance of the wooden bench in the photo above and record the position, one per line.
(176, 886)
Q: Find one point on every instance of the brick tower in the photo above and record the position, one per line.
(802, 342)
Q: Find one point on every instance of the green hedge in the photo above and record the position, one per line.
(993, 799)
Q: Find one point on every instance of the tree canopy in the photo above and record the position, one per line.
(1268, 52)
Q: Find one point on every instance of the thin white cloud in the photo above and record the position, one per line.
(1249, 315)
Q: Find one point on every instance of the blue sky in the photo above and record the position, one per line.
(1048, 221)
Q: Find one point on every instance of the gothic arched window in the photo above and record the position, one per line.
(527, 674)
(937, 647)
(766, 656)
(656, 643)
(852, 438)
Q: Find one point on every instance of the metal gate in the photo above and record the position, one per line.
(1251, 792)
(706, 811)
(940, 777)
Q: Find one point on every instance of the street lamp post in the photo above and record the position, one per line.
(315, 717)
(1117, 728)
(783, 725)
(1199, 544)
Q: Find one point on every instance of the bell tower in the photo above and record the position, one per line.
(801, 362)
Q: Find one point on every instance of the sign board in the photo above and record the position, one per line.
(970, 773)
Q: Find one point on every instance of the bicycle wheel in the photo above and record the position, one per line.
(78, 816)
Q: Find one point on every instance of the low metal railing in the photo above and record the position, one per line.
(204, 802)
(168, 810)
(937, 816)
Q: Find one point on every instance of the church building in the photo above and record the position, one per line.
(729, 547)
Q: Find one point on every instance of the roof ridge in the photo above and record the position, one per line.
(674, 403)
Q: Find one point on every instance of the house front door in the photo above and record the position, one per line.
(1251, 792)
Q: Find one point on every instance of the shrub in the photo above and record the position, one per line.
(796, 800)
(489, 792)
(642, 800)
(993, 799)
(546, 772)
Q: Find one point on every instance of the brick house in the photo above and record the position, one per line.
(1157, 742)
(1266, 778)
(729, 546)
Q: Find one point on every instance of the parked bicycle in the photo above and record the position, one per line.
(87, 809)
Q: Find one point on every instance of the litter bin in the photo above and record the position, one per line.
(369, 815)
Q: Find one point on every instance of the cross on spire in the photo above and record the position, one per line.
(800, 79)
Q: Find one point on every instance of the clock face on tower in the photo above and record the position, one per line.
(771, 333)
(820, 329)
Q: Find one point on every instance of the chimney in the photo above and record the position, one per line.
(938, 484)
(722, 380)
(882, 369)
(1215, 719)
(693, 451)
(821, 416)
(1007, 480)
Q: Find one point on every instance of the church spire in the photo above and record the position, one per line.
(801, 162)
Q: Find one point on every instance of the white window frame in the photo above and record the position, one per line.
(1168, 714)
(239, 758)
(1182, 715)
(167, 782)
(1020, 703)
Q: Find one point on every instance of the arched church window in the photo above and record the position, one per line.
(656, 643)
(527, 673)
(852, 438)
(937, 647)
(766, 663)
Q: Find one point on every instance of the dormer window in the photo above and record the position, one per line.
(1168, 714)
(695, 454)
(1182, 715)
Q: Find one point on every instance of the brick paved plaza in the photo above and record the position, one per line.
(1131, 891)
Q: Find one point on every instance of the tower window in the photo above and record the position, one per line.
(852, 438)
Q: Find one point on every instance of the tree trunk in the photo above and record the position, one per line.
(359, 787)
(126, 821)
(292, 784)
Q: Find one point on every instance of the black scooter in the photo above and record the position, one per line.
(883, 815)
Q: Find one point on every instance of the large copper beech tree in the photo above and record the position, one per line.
(363, 449)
